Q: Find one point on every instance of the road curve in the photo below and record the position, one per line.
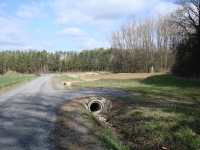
(28, 113)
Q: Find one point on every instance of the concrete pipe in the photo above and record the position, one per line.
(64, 83)
(95, 106)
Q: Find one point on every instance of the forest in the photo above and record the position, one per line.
(44, 62)
(168, 43)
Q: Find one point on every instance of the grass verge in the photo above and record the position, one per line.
(8, 83)
(152, 125)
(109, 139)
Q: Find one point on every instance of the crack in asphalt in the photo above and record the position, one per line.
(28, 113)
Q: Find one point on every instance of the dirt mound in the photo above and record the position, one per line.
(12, 74)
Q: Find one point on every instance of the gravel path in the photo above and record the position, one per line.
(28, 113)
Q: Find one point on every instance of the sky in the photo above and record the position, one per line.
(69, 25)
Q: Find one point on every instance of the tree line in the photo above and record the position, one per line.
(134, 48)
(140, 44)
(33, 61)
(37, 62)
(168, 43)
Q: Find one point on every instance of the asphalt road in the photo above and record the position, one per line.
(28, 113)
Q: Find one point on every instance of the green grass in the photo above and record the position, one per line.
(109, 139)
(7, 83)
(159, 86)
(7, 80)
(145, 127)
(164, 112)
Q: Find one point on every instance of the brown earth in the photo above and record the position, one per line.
(92, 77)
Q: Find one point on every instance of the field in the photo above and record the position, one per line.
(164, 112)
(11, 80)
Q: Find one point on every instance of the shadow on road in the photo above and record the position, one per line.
(26, 120)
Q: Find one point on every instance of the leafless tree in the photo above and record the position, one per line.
(165, 34)
(187, 18)
(139, 44)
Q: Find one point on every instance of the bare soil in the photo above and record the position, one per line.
(93, 77)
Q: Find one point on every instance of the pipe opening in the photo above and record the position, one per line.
(95, 106)
(64, 83)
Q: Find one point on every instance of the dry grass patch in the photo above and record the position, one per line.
(120, 76)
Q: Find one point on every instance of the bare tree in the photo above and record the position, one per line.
(140, 44)
(187, 18)
(165, 34)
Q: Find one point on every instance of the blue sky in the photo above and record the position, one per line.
(68, 24)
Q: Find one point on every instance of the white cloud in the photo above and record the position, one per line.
(114, 9)
(72, 32)
(98, 12)
(59, 41)
(89, 43)
(87, 11)
(89, 22)
(12, 32)
(31, 11)
(47, 43)
(38, 30)
(1, 12)
(103, 16)
(80, 40)
(40, 46)
(163, 7)
(2, 5)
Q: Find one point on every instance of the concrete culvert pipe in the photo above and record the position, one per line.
(95, 106)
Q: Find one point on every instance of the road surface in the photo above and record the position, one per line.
(28, 113)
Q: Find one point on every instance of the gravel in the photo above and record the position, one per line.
(28, 113)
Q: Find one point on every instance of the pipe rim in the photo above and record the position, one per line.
(93, 102)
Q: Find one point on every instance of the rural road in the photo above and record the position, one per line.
(28, 113)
